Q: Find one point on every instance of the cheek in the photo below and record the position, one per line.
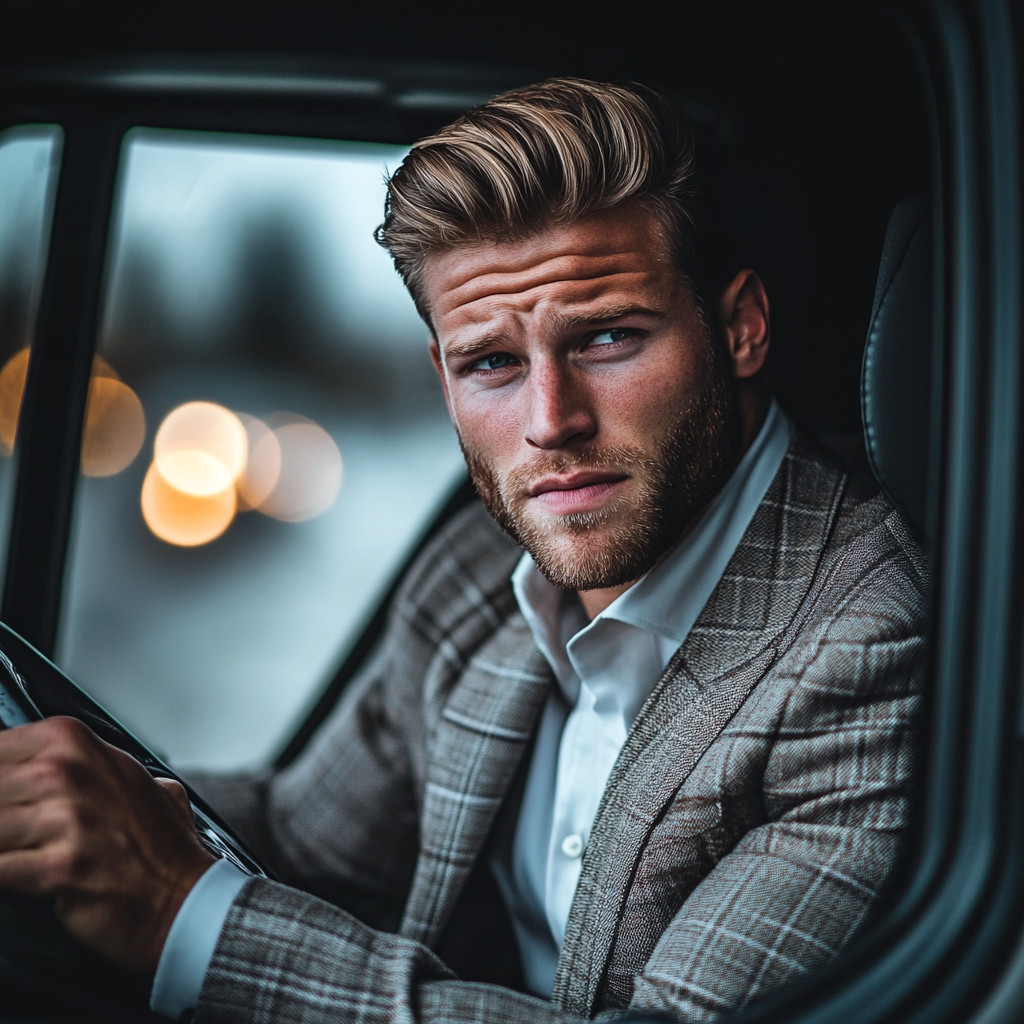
(646, 399)
(489, 425)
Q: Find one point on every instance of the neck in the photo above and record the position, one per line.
(595, 601)
(753, 399)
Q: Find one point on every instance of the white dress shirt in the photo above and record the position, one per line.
(605, 668)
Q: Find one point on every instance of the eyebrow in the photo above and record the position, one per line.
(561, 322)
(471, 348)
(606, 314)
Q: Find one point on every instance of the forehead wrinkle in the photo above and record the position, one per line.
(480, 309)
(561, 268)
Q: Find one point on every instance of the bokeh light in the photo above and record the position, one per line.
(185, 519)
(209, 463)
(12, 387)
(263, 468)
(311, 470)
(115, 425)
(201, 449)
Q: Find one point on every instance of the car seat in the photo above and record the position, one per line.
(897, 372)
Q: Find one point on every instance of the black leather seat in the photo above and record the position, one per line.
(896, 377)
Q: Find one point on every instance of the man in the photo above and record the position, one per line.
(659, 760)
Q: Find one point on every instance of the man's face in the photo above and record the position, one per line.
(593, 412)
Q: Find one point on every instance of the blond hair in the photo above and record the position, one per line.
(550, 153)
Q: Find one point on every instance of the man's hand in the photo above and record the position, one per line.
(86, 825)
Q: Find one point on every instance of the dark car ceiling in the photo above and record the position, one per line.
(811, 112)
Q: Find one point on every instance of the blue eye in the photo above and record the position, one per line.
(495, 361)
(610, 336)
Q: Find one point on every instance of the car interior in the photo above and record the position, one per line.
(190, 201)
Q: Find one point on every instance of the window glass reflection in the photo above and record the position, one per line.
(28, 162)
(264, 439)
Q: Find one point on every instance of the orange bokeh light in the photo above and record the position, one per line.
(12, 387)
(209, 463)
(201, 448)
(186, 520)
(115, 427)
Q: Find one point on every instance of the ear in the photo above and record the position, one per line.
(743, 314)
(435, 358)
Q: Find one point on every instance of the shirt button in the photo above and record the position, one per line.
(572, 846)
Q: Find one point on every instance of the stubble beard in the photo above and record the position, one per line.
(622, 540)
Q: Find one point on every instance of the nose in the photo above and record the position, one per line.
(559, 412)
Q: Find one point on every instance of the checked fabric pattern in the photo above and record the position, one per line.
(750, 821)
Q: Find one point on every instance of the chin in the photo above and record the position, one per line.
(593, 559)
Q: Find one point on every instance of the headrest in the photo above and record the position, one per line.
(897, 370)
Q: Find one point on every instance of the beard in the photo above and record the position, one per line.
(623, 540)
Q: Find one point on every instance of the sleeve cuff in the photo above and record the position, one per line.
(192, 939)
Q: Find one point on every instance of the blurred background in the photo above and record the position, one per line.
(243, 275)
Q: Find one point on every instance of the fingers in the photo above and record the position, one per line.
(45, 870)
(85, 824)
(24, 826)
(33, 781)
(25, 871)
(52, 734)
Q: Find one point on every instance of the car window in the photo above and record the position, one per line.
(264, 438)
(28, 162)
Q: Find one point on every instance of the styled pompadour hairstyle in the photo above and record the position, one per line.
(543, 155)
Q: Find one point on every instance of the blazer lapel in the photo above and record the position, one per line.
(730, 647)
(484, 728)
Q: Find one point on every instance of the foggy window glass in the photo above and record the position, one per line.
(28, 161)
(265, 436)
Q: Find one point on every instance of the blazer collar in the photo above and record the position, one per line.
(484, 729)
(730, 647)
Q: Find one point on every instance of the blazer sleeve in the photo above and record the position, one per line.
(285, 957)
(836, 789)
(341, 821)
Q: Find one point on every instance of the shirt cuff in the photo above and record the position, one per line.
(192, 939)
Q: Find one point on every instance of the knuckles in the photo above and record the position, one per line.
(64, 865)
(66, 734)
(63, 818)
(49, 775)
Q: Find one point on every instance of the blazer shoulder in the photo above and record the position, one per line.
(867, 524)
(870, 529)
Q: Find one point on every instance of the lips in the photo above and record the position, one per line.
(576, 492)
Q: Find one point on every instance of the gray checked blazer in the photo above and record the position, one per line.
(748, 824)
